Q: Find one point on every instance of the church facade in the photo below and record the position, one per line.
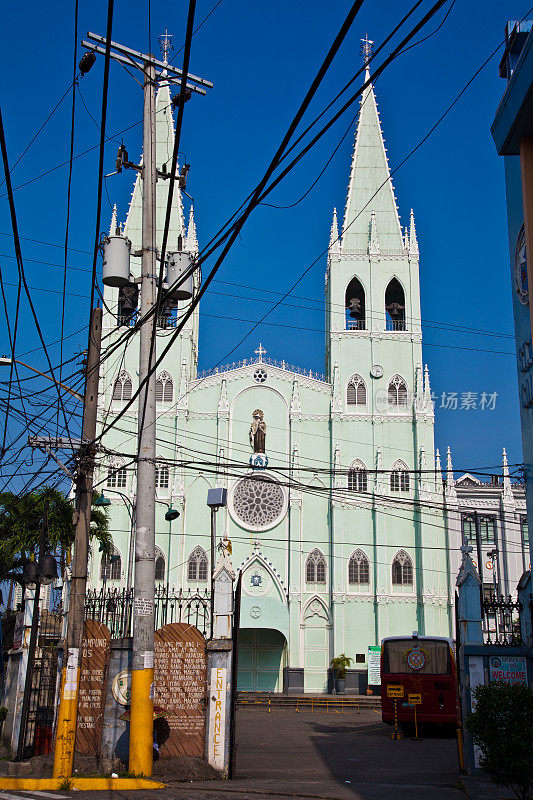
(334, 507)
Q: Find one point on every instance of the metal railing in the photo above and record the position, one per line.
(114, 607)
(501, 621)
(356, 325)
(396, 325)
(272, 362)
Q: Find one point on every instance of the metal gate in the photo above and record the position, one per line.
(43, 691)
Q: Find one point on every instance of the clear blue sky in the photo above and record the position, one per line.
(261, 58)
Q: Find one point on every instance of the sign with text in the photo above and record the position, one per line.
(395, 690)
(179, 690)
(93, 679)
(511, 669)
(217, 717)
(414, 699)
(374, 665)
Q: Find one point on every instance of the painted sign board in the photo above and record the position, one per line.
(395, 690)
(414, 699)
(374, 665)
(217, 717)
(511, 669)
(179, 694)
(95, 655)
(18, 634)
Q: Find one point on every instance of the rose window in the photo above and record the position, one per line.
(258, 502)
(260, 375)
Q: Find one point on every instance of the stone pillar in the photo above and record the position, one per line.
(470, 635)
(219, 667)
(525, 593)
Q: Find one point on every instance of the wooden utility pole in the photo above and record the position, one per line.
(70, 678)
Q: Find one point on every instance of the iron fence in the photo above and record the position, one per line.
(501, 621)
(114, 607)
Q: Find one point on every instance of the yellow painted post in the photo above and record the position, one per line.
(66, 728)
(142, 732)
(416, 728)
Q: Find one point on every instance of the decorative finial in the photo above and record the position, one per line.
(165, 44)
(260, 351)
(366, 48)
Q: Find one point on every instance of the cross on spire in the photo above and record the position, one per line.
(165, 44)
(366, 48)
(260, 351)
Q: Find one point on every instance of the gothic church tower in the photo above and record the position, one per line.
(382, 413)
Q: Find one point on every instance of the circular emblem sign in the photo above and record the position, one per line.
(416, 659)
(121, 687)
(520, 268)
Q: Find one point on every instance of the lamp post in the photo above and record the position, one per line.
(102, 502)
(216, 498)
(7, 361)
(170, 515)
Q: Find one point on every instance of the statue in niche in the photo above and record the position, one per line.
(258, 432)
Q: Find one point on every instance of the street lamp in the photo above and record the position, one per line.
(102, 502)
(170, 515)
(7, 361)
(216, 498)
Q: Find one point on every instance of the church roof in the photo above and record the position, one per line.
(370, 188)
(164, 147)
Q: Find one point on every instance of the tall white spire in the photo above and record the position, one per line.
(507, 489)
(413, 241)
(164, 134)
(451, 492)
(438, 472)
(334, 243)
(370, 186)
(113, 225)
(192, 238)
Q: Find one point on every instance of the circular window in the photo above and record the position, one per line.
(260, 375)
(258, 502)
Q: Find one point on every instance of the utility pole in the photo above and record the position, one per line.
(70, 678)
(142, 675)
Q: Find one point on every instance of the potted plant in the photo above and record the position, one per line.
(339, 665)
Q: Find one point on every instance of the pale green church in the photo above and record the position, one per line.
(338, 529)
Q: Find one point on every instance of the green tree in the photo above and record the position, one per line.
(502, 727)
(21, 524)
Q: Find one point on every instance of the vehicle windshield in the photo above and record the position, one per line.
(416, 657)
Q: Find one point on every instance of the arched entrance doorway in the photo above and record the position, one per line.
(262, 655)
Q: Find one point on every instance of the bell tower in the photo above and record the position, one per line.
(381, 410)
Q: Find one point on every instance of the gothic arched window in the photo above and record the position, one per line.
(117, 478)
(402, 570)
(123, 388)
(397, 395)
(315, 567)
(159, 565)
(357, 477)
(164, 388)
(111, 566)
(356, 393)
(162, 476)
(355, 306)
(399, 477)
(197, 565)
(395, 306)
(359, 568)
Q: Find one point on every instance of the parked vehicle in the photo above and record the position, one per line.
(420, 665)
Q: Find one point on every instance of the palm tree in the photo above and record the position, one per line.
(21, 521)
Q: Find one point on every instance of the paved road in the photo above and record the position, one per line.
(286, 755)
